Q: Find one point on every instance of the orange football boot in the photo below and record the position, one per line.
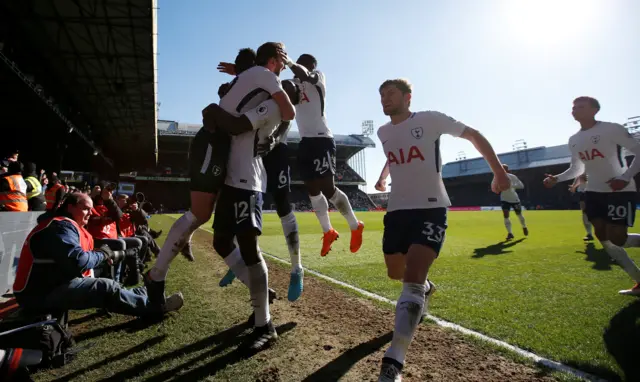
(356, 238)
(327, 240)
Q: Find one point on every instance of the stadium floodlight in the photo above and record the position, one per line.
(70, 129)
(520, 144)
(367, 127)
(95, 152)
(461, 155)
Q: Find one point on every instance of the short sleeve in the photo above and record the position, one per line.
(444, 124)
(269, 82)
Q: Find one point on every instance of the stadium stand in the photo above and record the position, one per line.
(167, 183)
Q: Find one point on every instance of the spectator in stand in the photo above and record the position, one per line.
(13, 190)
(96, 191)
(54, 194)
(35, 194)
(59, 253)
(128, 227)
(104, 226)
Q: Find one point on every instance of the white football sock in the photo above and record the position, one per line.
(408, 312)
(587, 224)
(259, 290)
(321, 207)
(522, 221)
(290, 230)
(340, 200)
(180, 232)
(507, 224)
(633, 240)
(235, 262)
(622, 258)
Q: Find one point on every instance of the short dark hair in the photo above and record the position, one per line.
(592, 101)
(401, 83)
(245, 59)
(306, 58)
(29, 168)
(505, 166)
(267, 51)
(15, 168)
(70, 199)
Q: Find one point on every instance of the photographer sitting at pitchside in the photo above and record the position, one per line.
(54, 262)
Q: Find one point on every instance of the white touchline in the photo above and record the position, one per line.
(532, 356)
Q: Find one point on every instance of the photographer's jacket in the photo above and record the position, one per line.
(55, 252)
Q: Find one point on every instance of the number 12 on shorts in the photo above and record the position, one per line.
(241, 210)
(433, 232)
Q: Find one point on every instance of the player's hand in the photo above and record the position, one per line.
(264, 148)
(550, 180)
(617, 184)
(227, 67)
(572, 189)
(284, 57)
(381, 185)
(501, 182)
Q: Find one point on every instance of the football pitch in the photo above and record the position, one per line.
(549, 293)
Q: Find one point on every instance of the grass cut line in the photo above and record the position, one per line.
(557, 366)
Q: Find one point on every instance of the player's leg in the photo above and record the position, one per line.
(621, 215)
(506, 207)
(248, 228)
(588, 227)
(207, 163)
(518, 210)
(426, 236)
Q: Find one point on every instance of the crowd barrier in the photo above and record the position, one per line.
(14, 229)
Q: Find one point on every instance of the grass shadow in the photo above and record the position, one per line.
(599, 257)
(340, 366)
(223, 337)
(495, 249)
(89, 317)
(621, 339)
(212, 368)
(127, 353)
(131, 326)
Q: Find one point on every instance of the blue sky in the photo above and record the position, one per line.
(509, 68)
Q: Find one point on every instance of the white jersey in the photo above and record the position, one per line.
(310, 112)
(248, 90)
(598, 153)
(510, 195)
(412, 148)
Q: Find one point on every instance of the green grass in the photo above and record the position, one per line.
(548, 293)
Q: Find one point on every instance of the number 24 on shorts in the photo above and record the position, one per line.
(433, 232)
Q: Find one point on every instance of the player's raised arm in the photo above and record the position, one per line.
(299, 70)
(213, 116)
(501, 181)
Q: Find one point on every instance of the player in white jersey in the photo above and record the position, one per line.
(509, 199)
(276, 164)
(238, 212)
(610, 196)
(416, 219)
(317, 153)
(208, 154)
(579, 187)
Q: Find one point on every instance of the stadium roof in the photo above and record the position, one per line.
(180, 129)
(516, 160)
(93, 65)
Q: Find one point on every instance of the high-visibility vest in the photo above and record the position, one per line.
(99, 229)
(127, 228)
(50, 195)
(15, 199)
(35, 185)
(34, 268)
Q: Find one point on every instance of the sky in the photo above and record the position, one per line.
(509, 68)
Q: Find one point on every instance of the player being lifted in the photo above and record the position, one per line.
(238, 212)
(610, 196)
(208, 156)
(416, 219)
(578, 187)
(276, 163)
(509, 199)
(317, 153)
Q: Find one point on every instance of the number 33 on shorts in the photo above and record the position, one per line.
(433, 232)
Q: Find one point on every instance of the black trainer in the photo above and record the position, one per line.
(262, 337)
(589, 237)
(155, 290)
(509, 237)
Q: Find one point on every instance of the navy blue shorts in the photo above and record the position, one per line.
(278, 170)
(580, 196)
(617, 208)
(317, 158)
(238, 210)
(402, 228)
(507, 206)
(208, 155)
